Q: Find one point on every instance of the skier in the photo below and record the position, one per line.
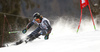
(44, 28)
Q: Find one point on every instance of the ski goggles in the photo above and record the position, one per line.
(38, 20)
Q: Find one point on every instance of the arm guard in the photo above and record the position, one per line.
(29, 25)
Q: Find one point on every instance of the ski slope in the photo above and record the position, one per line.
(63, 39)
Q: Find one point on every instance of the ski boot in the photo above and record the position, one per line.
(29, 39)
(19, 42)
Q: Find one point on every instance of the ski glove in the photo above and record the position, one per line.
(46, 37)
(24, 31)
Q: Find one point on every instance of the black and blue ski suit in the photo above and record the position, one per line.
(44, 28)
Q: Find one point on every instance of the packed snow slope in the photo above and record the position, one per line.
(63, 39)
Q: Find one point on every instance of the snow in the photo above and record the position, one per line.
(63, 39)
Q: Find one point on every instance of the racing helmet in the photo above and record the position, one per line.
(36, 15)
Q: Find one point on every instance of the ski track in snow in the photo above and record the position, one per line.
(64, 39)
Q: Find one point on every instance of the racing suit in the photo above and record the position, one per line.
(43, 28)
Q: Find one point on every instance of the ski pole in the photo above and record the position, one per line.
(14, 32)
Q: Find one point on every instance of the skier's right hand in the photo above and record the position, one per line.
(24, 31)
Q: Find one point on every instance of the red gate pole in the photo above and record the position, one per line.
(92, 16)
(8, 22)
(80, 21)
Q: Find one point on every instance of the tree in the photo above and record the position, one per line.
(12, 7)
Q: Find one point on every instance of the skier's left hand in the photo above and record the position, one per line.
(46, 37)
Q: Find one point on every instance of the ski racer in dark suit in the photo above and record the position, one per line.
(44, 28)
